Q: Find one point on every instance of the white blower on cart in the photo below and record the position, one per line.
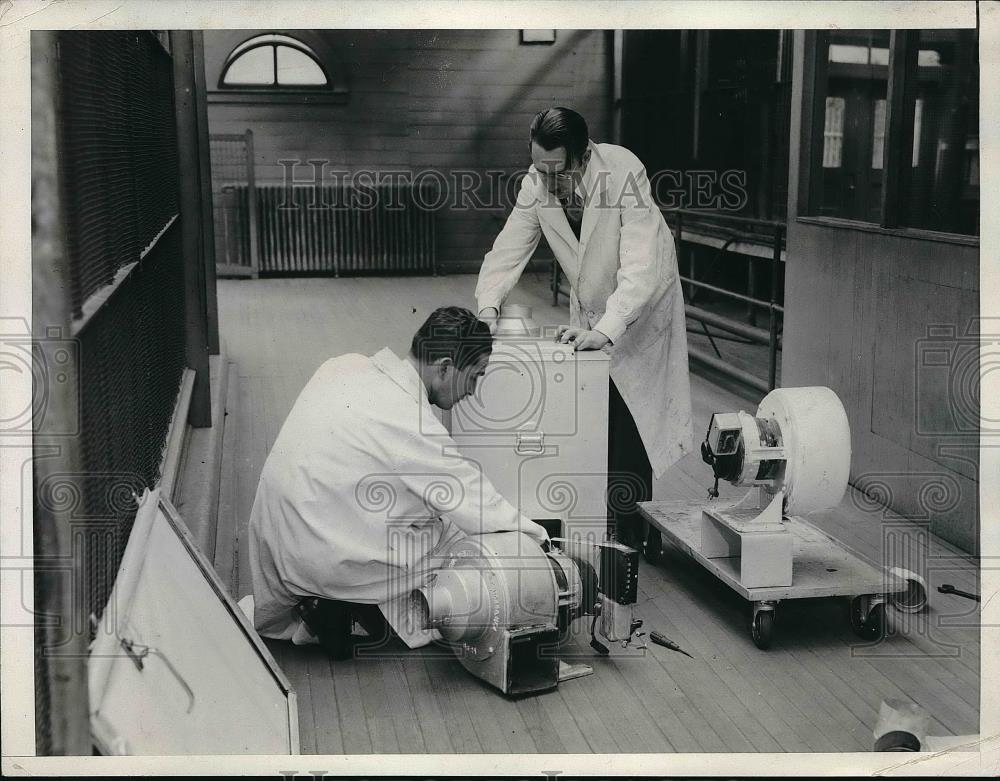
(504, 605)
(794, 455)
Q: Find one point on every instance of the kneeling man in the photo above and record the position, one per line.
(362, 490)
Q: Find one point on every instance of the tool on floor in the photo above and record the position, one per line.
(666, 642)
(947, 588)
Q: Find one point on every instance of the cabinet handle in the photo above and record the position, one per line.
(137, 652)
(529, 443)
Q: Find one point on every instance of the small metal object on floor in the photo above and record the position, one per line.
(947, 588)
(666, 642)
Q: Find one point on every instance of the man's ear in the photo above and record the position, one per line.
(441, 366)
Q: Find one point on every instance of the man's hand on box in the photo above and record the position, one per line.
(581, 338)
(489, 316)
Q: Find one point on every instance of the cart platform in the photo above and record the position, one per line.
(821, 567)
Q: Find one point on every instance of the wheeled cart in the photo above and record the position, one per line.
(821, 567)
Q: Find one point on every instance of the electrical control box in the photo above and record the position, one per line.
(724, 433)
(619, 573)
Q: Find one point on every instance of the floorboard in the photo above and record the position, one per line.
(427, 714)
(325, 703)
(458, 721)
(350, 709)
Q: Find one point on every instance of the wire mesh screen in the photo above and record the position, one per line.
(119, 153)
(131, 361)
(43, 710)
(119, 150)
(118, 157)
(230, 204)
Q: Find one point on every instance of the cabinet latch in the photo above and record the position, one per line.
(529, 443)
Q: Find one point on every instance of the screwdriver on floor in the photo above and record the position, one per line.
(659, 639)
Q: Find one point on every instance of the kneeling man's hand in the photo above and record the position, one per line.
(581, 338)
(536, 531)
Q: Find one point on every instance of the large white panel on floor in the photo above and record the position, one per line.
(176, 668)
(538, 428)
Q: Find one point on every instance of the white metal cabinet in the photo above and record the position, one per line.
(537, 426)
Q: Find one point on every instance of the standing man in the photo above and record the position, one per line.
(592, 203)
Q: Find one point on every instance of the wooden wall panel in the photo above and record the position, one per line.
(419, 99)
(857, 305)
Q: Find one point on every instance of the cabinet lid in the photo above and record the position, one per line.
(176, 667)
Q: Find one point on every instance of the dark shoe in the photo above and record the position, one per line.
(370, 618)
(330, 620)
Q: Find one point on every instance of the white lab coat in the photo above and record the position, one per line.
(624, 283)
(359, 496)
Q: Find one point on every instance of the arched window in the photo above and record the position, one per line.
(274, 62)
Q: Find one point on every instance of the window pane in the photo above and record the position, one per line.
(878, 134)
(833, 132)
(943, 194)
(254, 67)
(854, 93)
(269, 38)
(294, 67)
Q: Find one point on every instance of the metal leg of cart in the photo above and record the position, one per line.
(652, 549)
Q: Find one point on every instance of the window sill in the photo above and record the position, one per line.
(905, 233)
(324, 97)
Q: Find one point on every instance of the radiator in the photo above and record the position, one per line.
(340, 230)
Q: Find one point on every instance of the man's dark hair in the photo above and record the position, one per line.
(452, 332)
(560, 127)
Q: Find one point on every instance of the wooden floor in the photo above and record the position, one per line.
(818, 689)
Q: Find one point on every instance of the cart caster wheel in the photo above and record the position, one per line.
(868, 624)
(653, 549)
(762, 629)
(914, 598)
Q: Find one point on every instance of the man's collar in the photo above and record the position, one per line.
(400, 371)
(592, 181)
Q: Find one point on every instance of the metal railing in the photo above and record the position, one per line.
(759, 232)
(735, 229)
